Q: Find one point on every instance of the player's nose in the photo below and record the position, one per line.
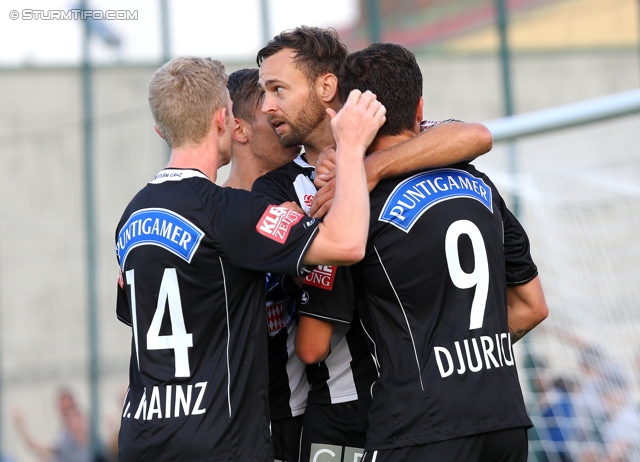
(268, 104)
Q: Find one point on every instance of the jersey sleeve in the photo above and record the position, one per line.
(426, 124)
(123, 312)
(258, 235)
(519, 265)
(329, 294)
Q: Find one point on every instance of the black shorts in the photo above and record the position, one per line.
(500, 446)
(335, 430)
(285, 434)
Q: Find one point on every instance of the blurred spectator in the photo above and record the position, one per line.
(622, 435)
(584, 415)
(537, 373)
(558, 430)
(599, 398)
(72, 445)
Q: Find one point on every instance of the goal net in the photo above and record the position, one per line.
(577, 192)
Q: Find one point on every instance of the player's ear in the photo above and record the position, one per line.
(328, 87)
(155, 127)
(218, 121)
(240, 132)
(419, 110)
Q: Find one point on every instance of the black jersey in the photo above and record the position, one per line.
(193, 257)
(442, 247)
(291, 182)
(348, 371)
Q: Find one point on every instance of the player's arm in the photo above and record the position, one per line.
(526, 307)
(313, 339)
(342, 235)
(42, 451)
(441, 145)
(123, 312)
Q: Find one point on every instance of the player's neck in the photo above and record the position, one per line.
(202, 157)
(237, 181)
(387, 141)
(320, 139)
(243, 172)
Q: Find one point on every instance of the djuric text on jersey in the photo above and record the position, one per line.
(474, 354)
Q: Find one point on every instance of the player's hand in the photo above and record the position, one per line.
(358, 121)
(322, 201)
(292, 206)
(325, 166)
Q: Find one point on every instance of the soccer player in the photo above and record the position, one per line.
(449, 285)
(192, 257)
(298, 75)
(256, 150)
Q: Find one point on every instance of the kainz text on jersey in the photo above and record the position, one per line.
(166, 402)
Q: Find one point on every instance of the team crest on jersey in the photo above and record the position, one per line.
(281, 307)
(276, 223)
(305, 190)
(308, 199)
(415, 195)
(160, 227)
(277, 317)
(321, 277)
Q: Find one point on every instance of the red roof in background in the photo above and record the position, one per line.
(430, 23)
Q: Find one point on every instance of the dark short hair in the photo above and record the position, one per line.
(391, 72)
(245, 93)
(318, 51)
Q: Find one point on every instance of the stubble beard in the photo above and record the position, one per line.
(310, 117)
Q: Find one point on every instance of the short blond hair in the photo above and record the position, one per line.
(183, 96)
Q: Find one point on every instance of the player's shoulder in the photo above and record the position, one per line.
(187, 192)
(170, 179)
(290, 169)
(281, 177)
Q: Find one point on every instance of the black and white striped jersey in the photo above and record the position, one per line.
(442, 247)
(288, 385)
(348, 371)
(193, 258)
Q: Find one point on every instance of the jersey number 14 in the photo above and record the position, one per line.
(179, 341)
